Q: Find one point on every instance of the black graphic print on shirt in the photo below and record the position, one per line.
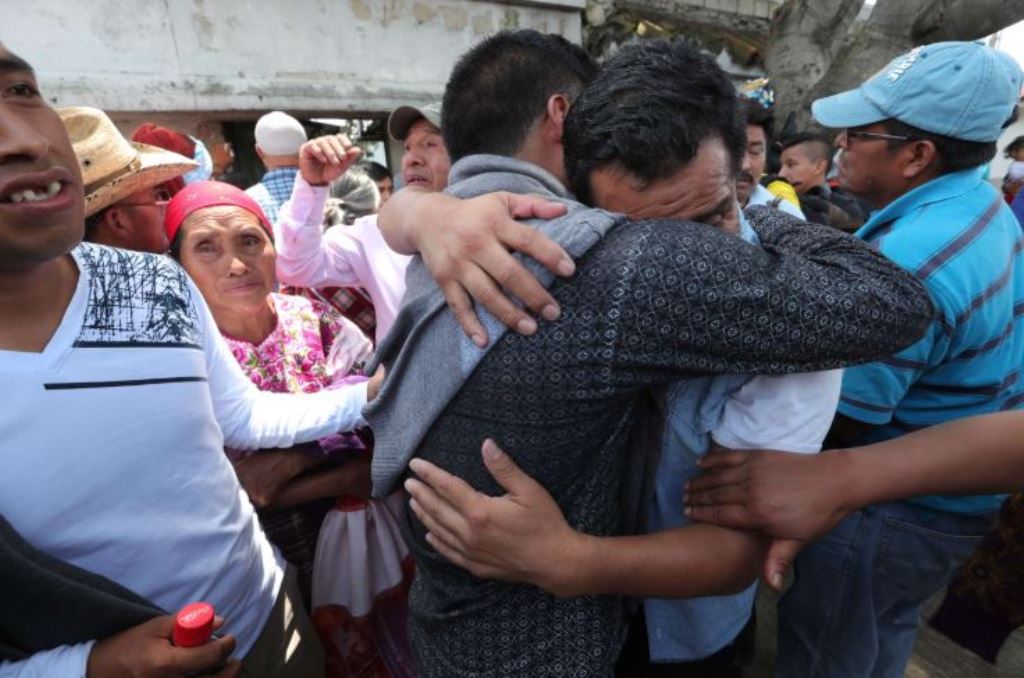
(136, 300)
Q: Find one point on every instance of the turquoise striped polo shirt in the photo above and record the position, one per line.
(957, 234)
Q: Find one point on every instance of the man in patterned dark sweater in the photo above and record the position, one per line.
(651, 302)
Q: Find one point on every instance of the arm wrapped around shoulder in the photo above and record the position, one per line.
(891, 304)
(808, 298)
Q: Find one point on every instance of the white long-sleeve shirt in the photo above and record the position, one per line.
(344, 256)
(112, 444)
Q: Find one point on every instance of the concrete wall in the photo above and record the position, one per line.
(251, 56)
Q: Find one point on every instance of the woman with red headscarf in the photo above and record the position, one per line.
(351, 560)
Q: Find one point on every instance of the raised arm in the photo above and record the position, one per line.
(304, 257)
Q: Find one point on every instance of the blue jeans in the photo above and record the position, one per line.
(854, 608)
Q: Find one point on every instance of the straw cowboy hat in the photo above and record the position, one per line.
(114, 168)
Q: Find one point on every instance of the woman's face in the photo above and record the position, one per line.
(230, 257)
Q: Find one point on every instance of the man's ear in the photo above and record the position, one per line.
(919, 156)
(115, 222)
(554, 120)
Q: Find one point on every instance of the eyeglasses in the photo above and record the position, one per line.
(161, 200)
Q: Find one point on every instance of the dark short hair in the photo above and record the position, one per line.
(821, 145)
(757, 115)
(954, 154)
(175, 247)
(1013, 146)
(374, 170)
(648, 111)
(500, 88)
(92, 224)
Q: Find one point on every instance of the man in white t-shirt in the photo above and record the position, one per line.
(118, 398)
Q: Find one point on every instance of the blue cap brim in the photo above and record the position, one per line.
(847, 109)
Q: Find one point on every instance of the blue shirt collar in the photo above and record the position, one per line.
(939, 189)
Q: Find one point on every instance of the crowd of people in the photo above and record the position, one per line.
(552, 408)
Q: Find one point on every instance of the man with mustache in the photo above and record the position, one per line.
(749, 190)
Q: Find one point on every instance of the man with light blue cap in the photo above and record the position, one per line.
(915, 138)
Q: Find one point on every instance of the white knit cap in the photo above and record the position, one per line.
(278, 133)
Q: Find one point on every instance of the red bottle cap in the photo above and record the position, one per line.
(193, 625)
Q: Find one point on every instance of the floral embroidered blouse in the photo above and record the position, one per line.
(312, 348)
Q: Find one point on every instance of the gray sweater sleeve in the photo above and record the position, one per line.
(691, 300)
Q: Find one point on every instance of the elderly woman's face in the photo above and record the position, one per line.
(230, 257)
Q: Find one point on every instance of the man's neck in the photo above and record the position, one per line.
(536, 152)
(911, 184)
(33, 301)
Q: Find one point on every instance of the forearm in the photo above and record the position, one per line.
(686, 562)
(286, 419)
(409, 211)
(327, 484)
(884, 307)
(811, 299)
(303, 254)
(264, 475)
(976, 455)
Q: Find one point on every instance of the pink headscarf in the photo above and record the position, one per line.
(209, 194)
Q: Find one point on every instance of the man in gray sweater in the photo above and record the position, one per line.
(651, 302)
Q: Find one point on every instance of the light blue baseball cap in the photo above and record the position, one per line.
(963, 90)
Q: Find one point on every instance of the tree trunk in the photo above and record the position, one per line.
(965, 19)
(807, 70)
(883, 37)
(804, 38)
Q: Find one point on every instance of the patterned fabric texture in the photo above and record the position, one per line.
(273, 190)
(150, 304)
(352, 302)
(644, 308)
(311, 346)
(994, 575)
